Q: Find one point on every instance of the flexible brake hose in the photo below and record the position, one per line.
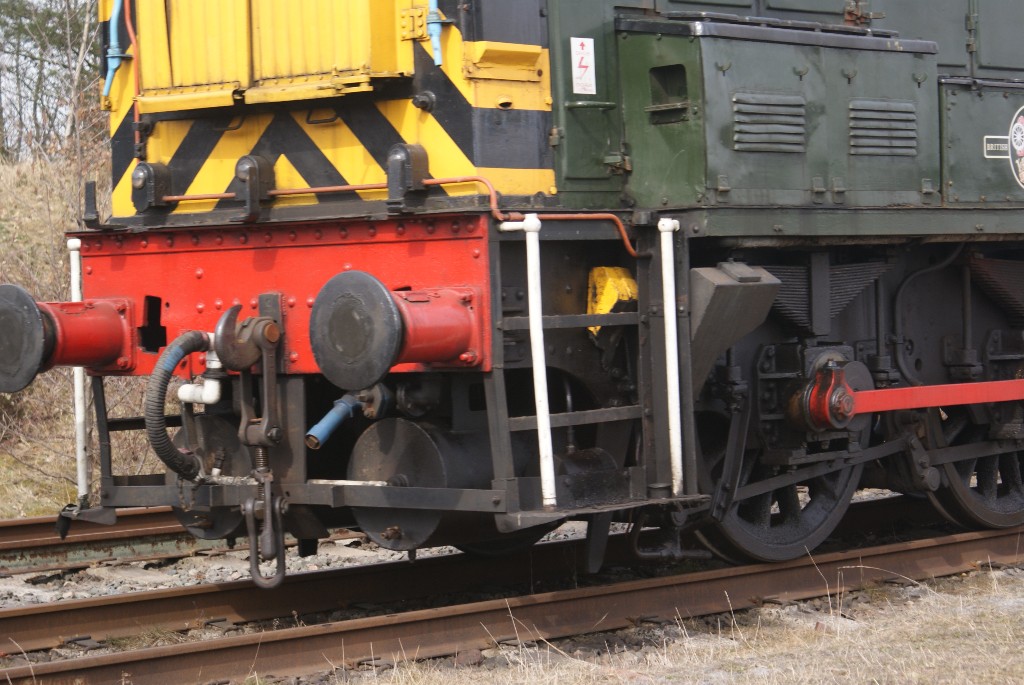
(178, 461)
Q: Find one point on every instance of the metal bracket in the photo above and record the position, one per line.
(265, 430)
(414, 24)
(240, 346)
(150, 183)
(407, 166)
(257, 176)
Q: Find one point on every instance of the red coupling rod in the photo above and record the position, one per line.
(830, 403)
(922, 396)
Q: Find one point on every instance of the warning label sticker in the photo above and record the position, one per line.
(584, 80)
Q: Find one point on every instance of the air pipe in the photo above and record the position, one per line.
(207, 392)
(343, 409)
(434, 31)
(531, 226)
(183, 462)
(114, 53)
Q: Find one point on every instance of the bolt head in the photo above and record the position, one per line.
(272, 332)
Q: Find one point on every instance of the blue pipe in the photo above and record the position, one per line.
(114, 52)
(342, 410)
(434, 31)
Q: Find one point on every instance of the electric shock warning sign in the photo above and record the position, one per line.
(584, 80)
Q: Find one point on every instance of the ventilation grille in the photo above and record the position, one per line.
(882, 128)
(769, 123)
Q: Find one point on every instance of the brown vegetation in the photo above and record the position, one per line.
(52, 137)
(38, 203)
(961, 630)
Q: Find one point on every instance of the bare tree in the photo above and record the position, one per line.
(49, 68)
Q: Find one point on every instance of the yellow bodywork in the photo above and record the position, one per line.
(197, 56)
(200, 54)
(609, 287)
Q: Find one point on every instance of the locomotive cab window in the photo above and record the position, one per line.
(669, 100)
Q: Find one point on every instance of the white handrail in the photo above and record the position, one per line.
(81, 427)
(668, 227)
(531, 226)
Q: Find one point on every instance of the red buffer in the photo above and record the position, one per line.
(35, 336)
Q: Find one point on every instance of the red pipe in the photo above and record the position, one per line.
(136, 67)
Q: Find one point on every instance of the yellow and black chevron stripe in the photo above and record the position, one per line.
(490, 115)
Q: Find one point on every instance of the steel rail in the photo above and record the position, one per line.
(45, 626)
(39, 531)
(32, 544)
(437, 632)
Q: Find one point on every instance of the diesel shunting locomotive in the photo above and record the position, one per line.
(455, 271)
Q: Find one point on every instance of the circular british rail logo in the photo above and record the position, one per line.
(1017, 143)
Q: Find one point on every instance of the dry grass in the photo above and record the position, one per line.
(950, 632)
(966, 630)
(154, 637)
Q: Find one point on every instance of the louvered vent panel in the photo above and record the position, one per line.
(882, 128)
(765, 122)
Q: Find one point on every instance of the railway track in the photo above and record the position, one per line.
(442, 631)
(32, 545)
(86, 621)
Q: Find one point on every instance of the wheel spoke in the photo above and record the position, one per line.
(780, 524)
(757, 510)
(789, 504)
(822, 489)
(985, 491)
(784, 523)
(1009, 472)
(988, 477)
